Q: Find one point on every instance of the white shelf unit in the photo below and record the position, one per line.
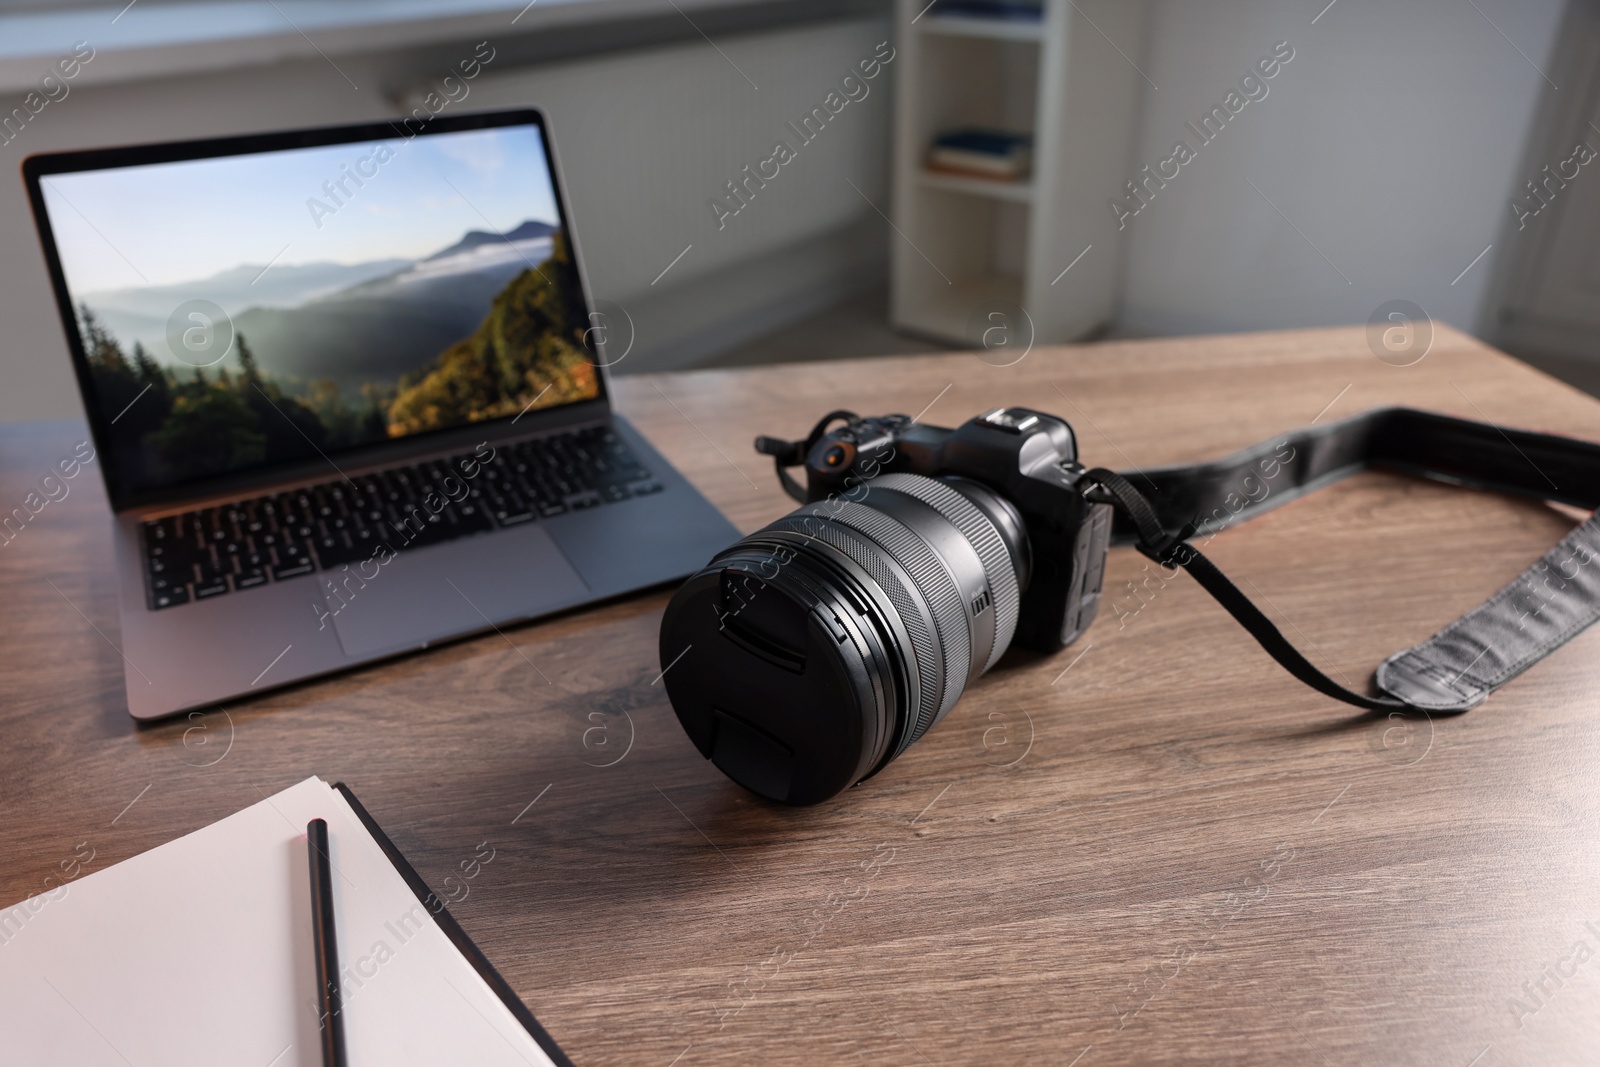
(994, 29)
(970, 247)
(1019, 192)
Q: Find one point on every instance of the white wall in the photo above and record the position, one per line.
(1391, 140)
(647, 139)
(645, 136)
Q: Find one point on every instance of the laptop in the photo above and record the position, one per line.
(348, 392)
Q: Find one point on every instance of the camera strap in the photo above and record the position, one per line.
(786, 454)
(1455, 669)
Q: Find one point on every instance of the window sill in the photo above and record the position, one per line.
(150, 39)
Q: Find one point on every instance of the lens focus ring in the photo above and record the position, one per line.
(933, 552)
(998, 566)
(932, 581)
(865, 547)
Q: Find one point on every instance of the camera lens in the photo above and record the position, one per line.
(809, 654)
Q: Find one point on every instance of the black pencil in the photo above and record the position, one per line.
(329, 1004)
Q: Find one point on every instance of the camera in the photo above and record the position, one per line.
(807, 655)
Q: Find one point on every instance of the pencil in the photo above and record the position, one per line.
(326, 948)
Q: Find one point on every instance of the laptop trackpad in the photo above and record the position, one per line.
(437, 592)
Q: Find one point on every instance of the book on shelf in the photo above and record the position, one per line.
(1008, 10)
(993, 154)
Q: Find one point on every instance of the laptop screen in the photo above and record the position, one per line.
(238, 312)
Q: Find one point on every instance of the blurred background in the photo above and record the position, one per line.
(952, 174)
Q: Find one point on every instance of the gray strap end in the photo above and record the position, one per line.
(1544, 608)
(1409, 677)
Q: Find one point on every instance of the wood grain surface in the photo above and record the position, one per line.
(1153, 848)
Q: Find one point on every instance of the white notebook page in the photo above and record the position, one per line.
(200, 952)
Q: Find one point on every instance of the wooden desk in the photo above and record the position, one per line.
(1156, 844)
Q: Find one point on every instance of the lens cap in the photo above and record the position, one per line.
(776, 677)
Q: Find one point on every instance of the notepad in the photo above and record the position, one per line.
(200, 952)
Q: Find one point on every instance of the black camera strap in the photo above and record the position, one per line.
(1158, 510)
(1455, 669)
(786, 454)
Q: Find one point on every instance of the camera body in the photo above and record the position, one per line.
(806, 656)
(1026, 457)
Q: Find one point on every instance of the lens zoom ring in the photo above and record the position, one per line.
(923, 648)
(937, 587)
(985, 539)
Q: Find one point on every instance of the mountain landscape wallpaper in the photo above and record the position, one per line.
(327, 354)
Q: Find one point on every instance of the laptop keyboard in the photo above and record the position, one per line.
(226, 549)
